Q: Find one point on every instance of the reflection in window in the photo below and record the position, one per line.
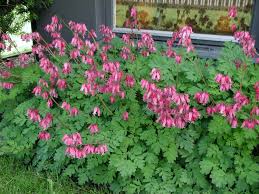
(205, 16)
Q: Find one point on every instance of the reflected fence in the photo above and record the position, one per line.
(212, 4)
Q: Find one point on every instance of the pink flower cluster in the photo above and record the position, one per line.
(155, 74)
(247, 42)
(160, 102)
(44, 123)
(44, 135)
(97, 111)
(38, 91)
(256, 88)
(126, 38)
(38, 50)
(5, 38)
(202, 97)
(60, 45)
(126, 53)
(255, 111)
(146, 44)
(252, 122)
(9, 64)
(183, 36)
(87, 149)
(34, 115)
(225, 82)
(129, 81)
(5, 74)
(78, 28)
(32, 36)
(229, 111)
(91, 87)
(54, 28)
(72, 140)
(72, 110)
(67, 68)
(61, 84)
(2, 43)
(43, 88)
(125, 116)
(112, 85)
(132, 21)
(23, 61)
(240, 99)
(6, 85)
(93, 128)
(49, 68)
(107, 33)
(232, 12)
(76, 149)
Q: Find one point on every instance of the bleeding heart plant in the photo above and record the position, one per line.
(165, 119)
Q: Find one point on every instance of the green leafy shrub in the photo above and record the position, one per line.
(10, 100)
(27, 10)
(169, 125)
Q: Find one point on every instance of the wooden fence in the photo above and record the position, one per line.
(214, 4)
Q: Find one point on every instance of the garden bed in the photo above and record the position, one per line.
(134, 115)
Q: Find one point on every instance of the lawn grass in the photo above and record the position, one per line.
(15, 178)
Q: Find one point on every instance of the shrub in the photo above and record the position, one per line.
(27, 10)
(141, 117)
(24, 80)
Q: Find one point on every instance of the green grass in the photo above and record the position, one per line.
(15, 178)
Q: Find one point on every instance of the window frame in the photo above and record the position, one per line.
(212, 39)
(255, 20)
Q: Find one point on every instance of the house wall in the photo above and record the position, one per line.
(90, 12)
(96, 12)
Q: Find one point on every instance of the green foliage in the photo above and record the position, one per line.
(207, 156)
(17, 178)
(27, 10)
(24, 79)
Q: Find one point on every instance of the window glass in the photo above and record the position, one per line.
(205, 16)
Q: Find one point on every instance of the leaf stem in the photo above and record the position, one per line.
(202, 76)
(64, 125)
(104, 104)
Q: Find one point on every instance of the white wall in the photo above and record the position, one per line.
(22, 46)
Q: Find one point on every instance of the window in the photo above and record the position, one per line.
(207, 17)
(97, 12)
